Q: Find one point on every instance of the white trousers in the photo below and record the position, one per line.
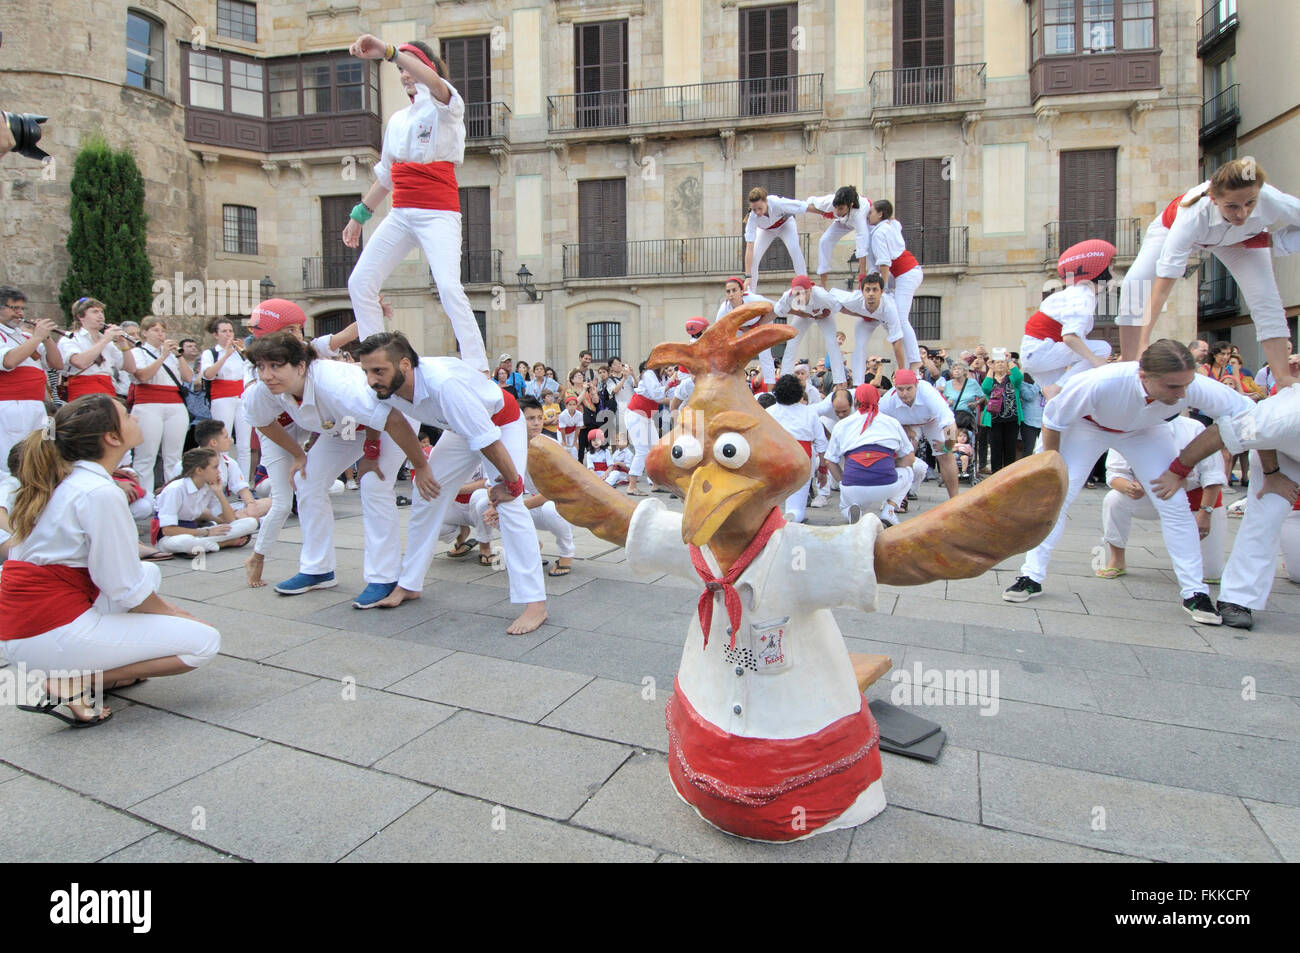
(1148, 453)
(163, 426)
(789, 234)
(919, 471)
(1251, 268)
(546, 519)
(796, 504)
(1248, 577)
(230, 411)
(438, 233)
(616, 478)
(865, 497)
(1291, 545)
(1118, 511)
(641, 434)
(189, 543)
(462, 514)
(18, 418)
(106, 637)
(826, 245)
(862, 331)
(278, 463)
(453, 463)
(827, 327)
(1053, 362)
(904, 288)
(329, 456)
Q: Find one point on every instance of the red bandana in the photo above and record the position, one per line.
(712, 584)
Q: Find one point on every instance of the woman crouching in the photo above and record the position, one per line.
(76, 603)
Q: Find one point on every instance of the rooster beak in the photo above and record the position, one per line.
(715, 492)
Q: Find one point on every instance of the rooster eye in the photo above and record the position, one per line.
(731, 450)
(686, 451)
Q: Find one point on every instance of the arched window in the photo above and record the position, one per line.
(145, 56)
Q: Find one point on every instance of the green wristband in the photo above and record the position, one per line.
(360, 213)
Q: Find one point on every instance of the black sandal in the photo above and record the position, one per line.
(560, 570)
(485, 560)
(468, 547)
(50, 707)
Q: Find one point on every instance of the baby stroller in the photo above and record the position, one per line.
(965, 420)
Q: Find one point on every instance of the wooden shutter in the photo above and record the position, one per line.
(923, 207)
(1087, 196)
(476, 236)
(602, 228)
(470, 67)
(337, 259)
(923, 51)
(601, 77)
(768, 60)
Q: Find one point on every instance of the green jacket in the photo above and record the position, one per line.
(1013, 392)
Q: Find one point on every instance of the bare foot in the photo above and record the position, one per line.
(253, 570)
(396, 598)
(533, 616)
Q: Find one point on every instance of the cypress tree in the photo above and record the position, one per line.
(107, 239)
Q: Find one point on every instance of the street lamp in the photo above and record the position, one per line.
(268, 288)
(853, 272)
(526, 286)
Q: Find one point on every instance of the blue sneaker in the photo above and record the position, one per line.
(305, 582)
(373, 594)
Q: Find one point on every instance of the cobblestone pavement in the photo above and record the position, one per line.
(1123, 731)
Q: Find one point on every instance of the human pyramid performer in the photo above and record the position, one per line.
(1055, 345)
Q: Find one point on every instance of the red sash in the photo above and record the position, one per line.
(642, 405)
(1170, 212)
(599, 466)
(509, 413)
(425, 185)
(807, 447)
(463, 497)
(1262, 240)
(1194, 499)
(157, 394)
(36, 599)
(777, 224)
(24, 382)
(83, 384)
(758, 787)
(1043, 327)
(867, 458)
(222, 389)
(903, 264)
(1088, 417)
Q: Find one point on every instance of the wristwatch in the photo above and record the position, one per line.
(1207, 509)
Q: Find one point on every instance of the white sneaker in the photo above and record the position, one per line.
(888, 515)
(820, 501)
(352, 484)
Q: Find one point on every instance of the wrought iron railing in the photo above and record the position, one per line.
(927, 85)
(328, 272)
(487, 120)
(1216, 23)
(1124, 233)
(480, 267)
(939, 246)
(664, 257)
(1217, 295)
(1219, 113)
(698, 103)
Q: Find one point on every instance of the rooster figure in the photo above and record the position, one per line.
(770, 736)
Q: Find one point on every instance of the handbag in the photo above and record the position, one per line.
(994, 406)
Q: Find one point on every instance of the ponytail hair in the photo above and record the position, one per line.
(884, 207)
(1167, 356)
(48, 456)
(199, 458)
(1234, 174)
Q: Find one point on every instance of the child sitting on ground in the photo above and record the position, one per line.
(194, 515)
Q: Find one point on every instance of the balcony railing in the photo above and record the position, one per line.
(487, 121)
(328, 272)
(698, 103)
(939, 247)
(927, 86)
(1124, 233)
(480, 267)
(1215, 24)
(666, 257)
(1220, 113)
(1217, 296)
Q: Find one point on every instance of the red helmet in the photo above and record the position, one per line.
(1086, 260)
(275, 314)
(696, 326)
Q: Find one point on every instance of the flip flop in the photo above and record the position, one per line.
(158, 556)
(51, 705)
(469, 544)
(484, 560)
(560, 570)
(1111, 573)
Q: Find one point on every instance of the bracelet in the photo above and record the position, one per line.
(1271, 472)
(360, 214)
(390, 52)
(1207, 509)
(517, 487)
(1180, 469)
(370, 449)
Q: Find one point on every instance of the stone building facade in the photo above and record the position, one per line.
(998, 98)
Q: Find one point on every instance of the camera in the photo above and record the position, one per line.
(23, 132)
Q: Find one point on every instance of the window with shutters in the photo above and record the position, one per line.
(601, 78)
(925, 316)
(777, 182)
(145, 55)
(1087, 196)
(604, 340)
(337, 259)
(470, 69)
(476, 236)
(480, 318)
(239, 229)
(602, 228)
(923, 207)
(923, 49)
(768, 60)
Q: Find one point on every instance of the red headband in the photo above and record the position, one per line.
(418, 53)
(736, 280)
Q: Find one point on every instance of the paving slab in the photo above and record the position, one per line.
(496, 686)
(218, 691)
(901, 629)
(1073, 653)
(451, 828)
(277, 804)
(1281, 822)
(45, 822)
(949, 786)
(345, 616)
(1023, 680)
(480, 634)
(607, 656)
(1189, 638)
(1218, 709)
(1279, 645)
(1198, 668)
(539, 770)
(640, 805)
(250, 635)
(938, 610)
(374, 661)
(616, 711)
(1118, 814)
(166, 848)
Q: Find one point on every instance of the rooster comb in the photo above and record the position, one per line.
(718, 350)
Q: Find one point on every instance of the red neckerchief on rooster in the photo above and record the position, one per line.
(713, 584)
(418, 54)
(867, 399)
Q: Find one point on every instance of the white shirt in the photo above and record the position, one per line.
(726, 307)
(232, 370)
(1209, 472)
(1201, 225)
(819, 300)
(887, 242)
(425, 131)
(232, 478)
(928, 406)
(182, 500)
(685, 387)
(451, 395)
(620, 389)
(651, 386)
(110, 358)
(777, 209)
(87, 524)
(884, 431)
(856, 219)
(335, 399)
(1075, 308)
(802, 422)
(11, 338)
(1272, 424)
(566, 420)
(621, 459)
(8, 490)
(886, 314)
(597, 456)
(1113, 397)
(145, 355)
